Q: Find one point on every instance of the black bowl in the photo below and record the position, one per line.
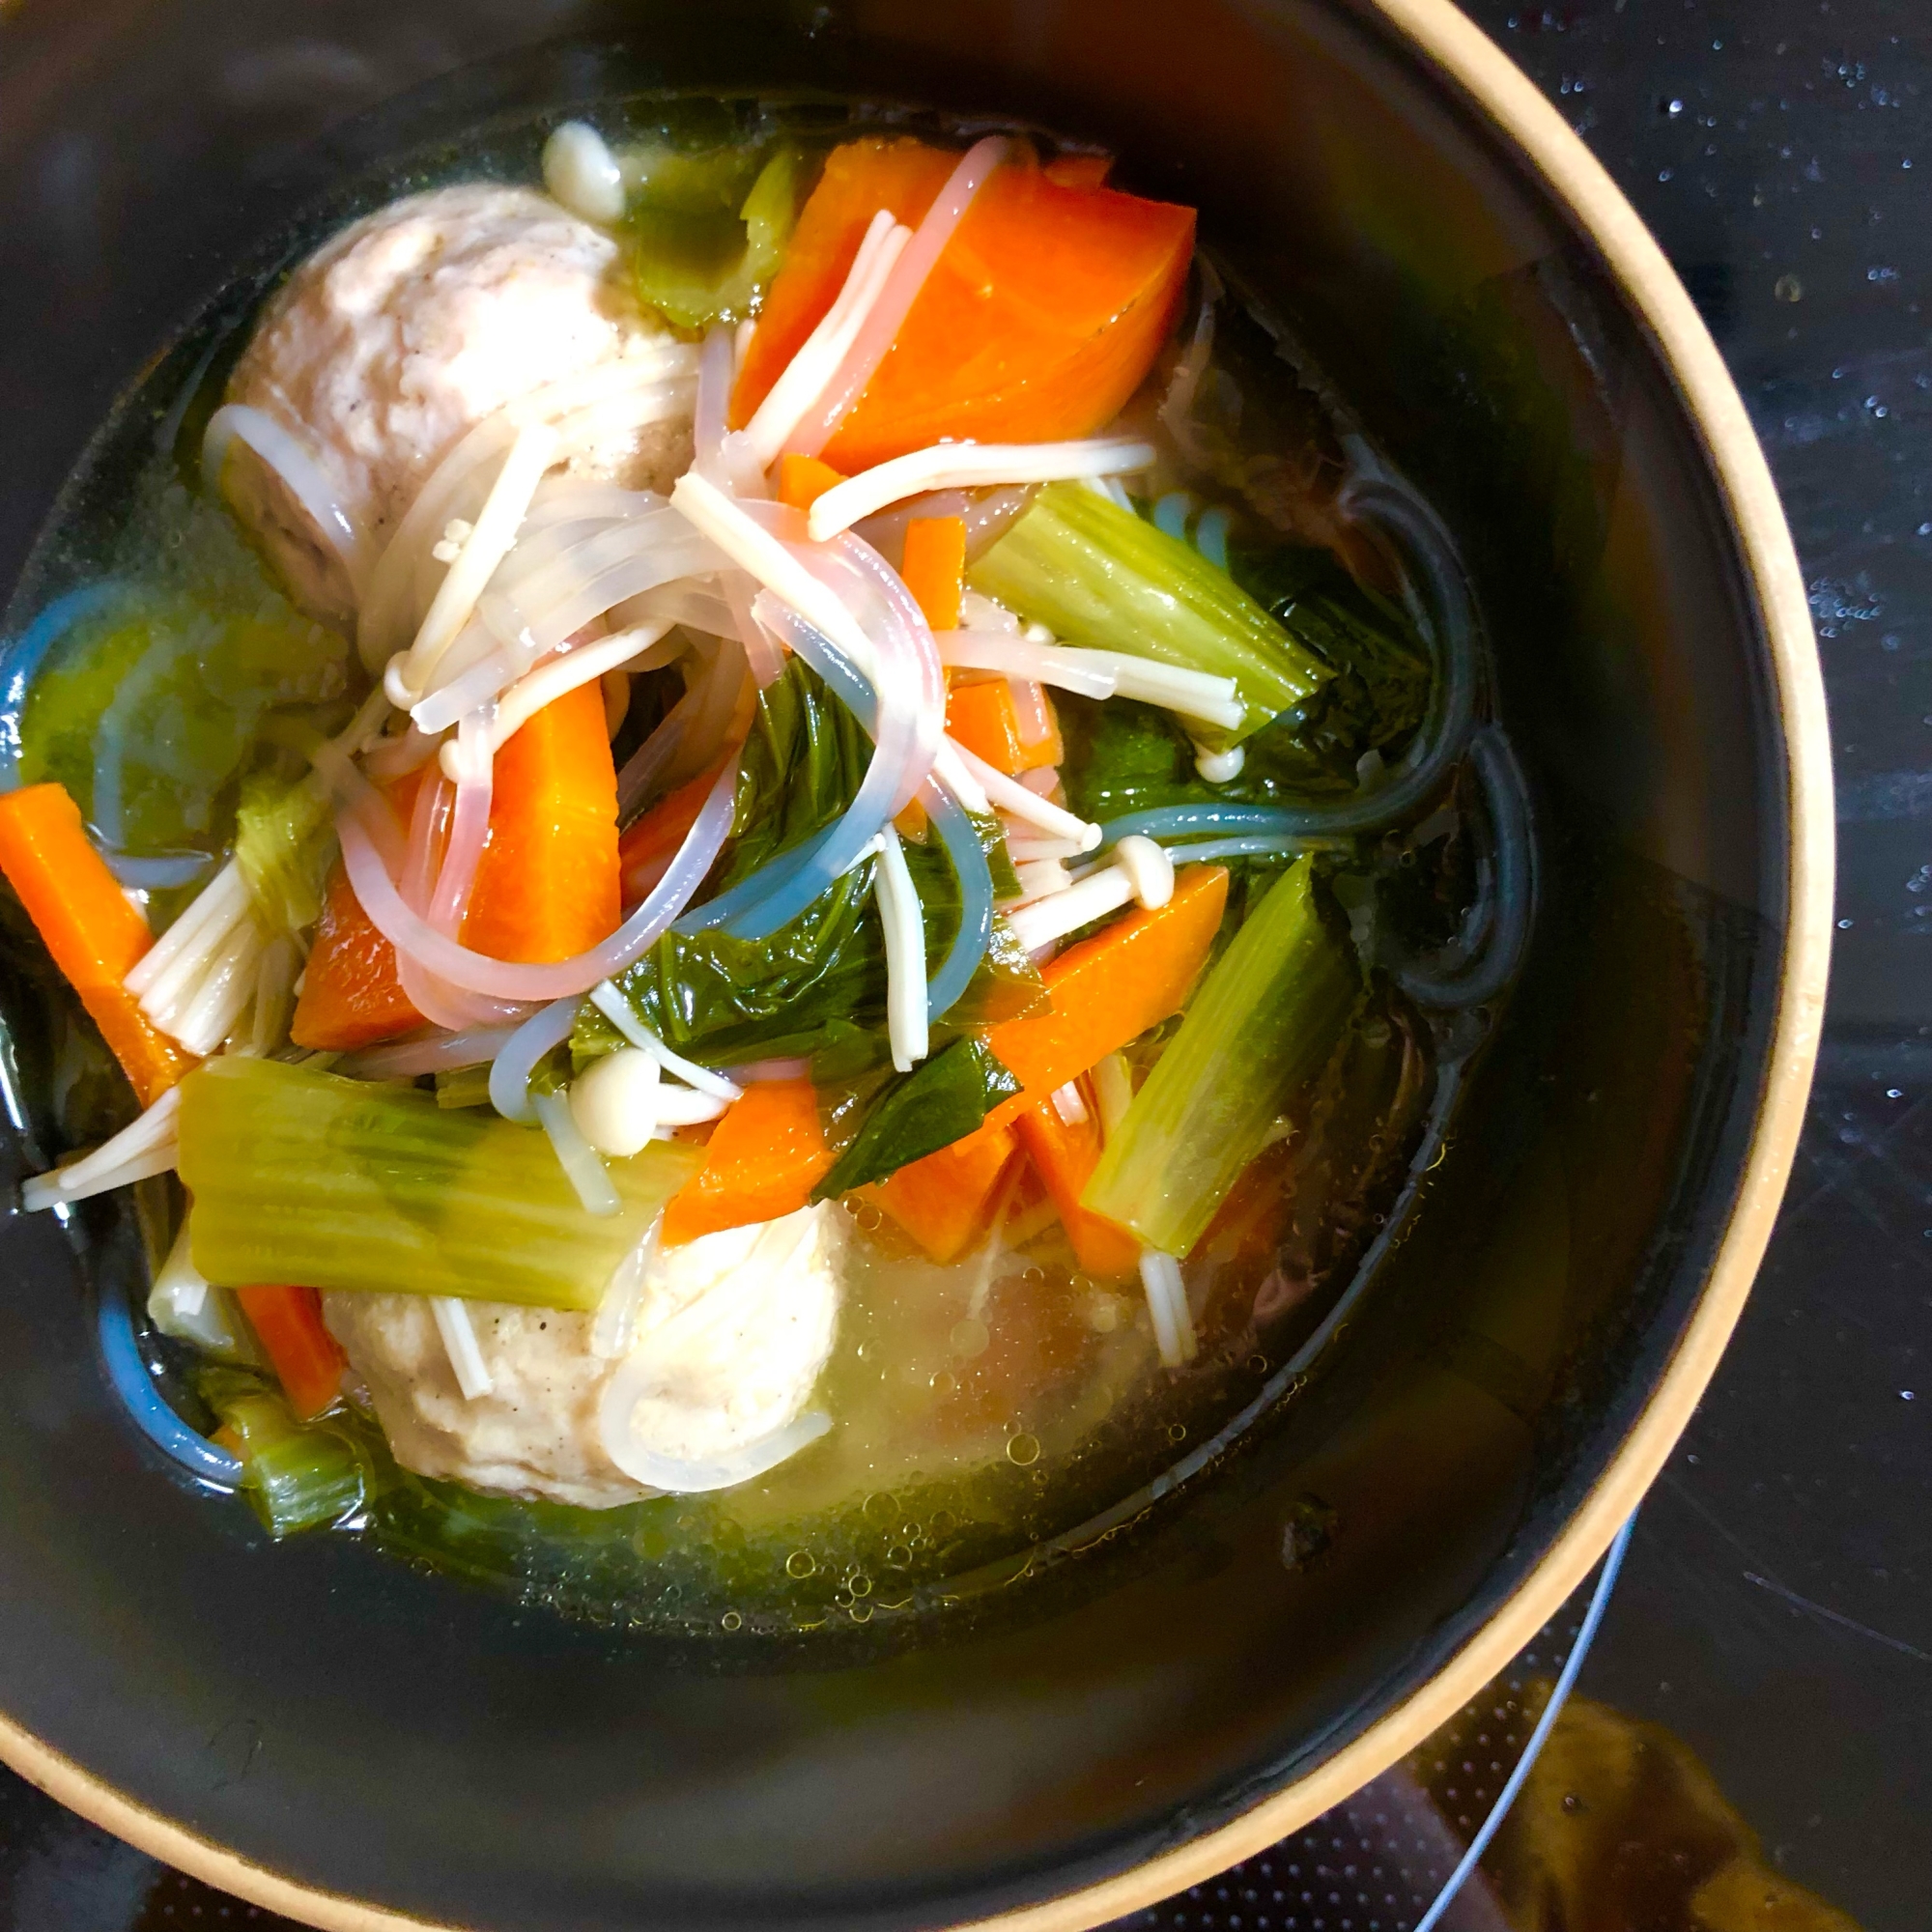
(351, 1742)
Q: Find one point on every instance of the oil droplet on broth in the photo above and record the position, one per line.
(858, 1583)
(1023, 1449)
(732, 1621)
(969, 1338)
(800, 1562)
(882, 1508)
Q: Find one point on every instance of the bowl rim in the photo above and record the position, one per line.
(1472, 65)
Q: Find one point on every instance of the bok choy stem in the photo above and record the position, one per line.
(1265, 1018)
(304, 1177)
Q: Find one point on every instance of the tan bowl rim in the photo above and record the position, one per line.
(1521, 112)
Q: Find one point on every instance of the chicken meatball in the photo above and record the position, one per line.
(732, 1332)
(400, 334)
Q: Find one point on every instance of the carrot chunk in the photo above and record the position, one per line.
(351, 996)
(1038, 320)
(985, 718)
(547, 886)
(306, 1357)
(944, 1200)
(652, 841)
(1109, 989)
(87, 924)
(1064, 1154)
(1080, 170)
(804, 479)
(763, 1159)
(934, 569)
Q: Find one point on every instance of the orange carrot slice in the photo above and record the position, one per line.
(1038, 320)
(987, 720)
(88, 926)
(651, 842)
(804, 479)
(351, 996)
(547, 886)
(1080, 170)
(945, 1199)
(306, 1357)
(1109, 989)
(1064, 1154)
(934, 569)
(763, 1159)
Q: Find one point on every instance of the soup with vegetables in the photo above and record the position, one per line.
(779, 854)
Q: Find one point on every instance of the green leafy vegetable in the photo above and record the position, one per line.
(463, 1087)
(1380, 691)
(296, 1476)
(723, 1000)
(1124, 756)
(1266, 1018)
(709, 230)
(150, 713)
(284, 840)
(1099, 575)
(301, 1176)
(903, 1116)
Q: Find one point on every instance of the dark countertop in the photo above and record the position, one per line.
(1775, 1612)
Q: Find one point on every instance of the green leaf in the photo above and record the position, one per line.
(296, 1475)
(1099, 575)
(151, 713)
(284, 841)
(709, 231)
(301, 1176)
(723, 1000)
(912, 1115)
(1379, 690)
(1266, 1018)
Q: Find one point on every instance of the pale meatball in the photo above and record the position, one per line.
(402, 333)
(732, 1333)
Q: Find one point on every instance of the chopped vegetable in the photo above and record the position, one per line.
(87, 924)
(1266, 1020)
(945, 1202)
(297, 1478)
(916, 1114)
(934, 568)
(307, 1359)
(301, 1176)
(985, 719)
(804, 479)
(1064, 1154)
(284, 837)
(721, 1000)
(766, 1158)
(1099, 575)
(1037, 322)
(650, 844)
(1110, 988)
(351, 996)
(708, 230)
(547, 886)
(150, 715)
(1380, 691)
